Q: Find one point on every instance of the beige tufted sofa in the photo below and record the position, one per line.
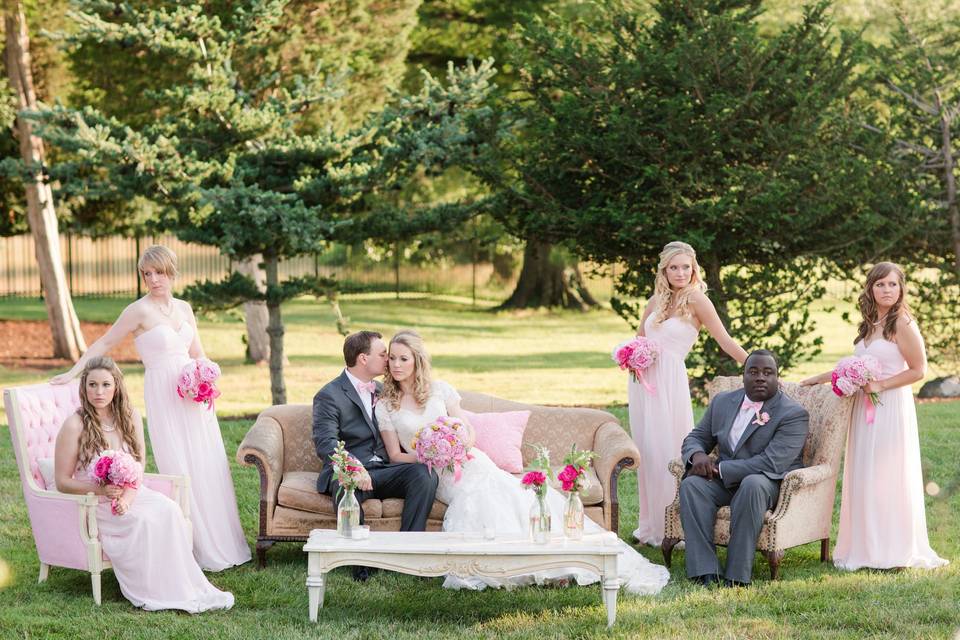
(804, 511)
(280, 446)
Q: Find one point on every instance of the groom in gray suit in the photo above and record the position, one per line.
(343, 410)
(760, 434)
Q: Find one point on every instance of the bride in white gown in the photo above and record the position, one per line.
(485, 496)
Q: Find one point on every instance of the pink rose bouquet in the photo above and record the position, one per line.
(853, 373)
(540, 471)
(442, 445)
(197, 381)
(636, 355)
(119, 468)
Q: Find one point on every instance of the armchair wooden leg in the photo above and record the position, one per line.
(774, 558)
(44, 572)
(95, 579)
(262, 546)
(825, 550)
(667, 548)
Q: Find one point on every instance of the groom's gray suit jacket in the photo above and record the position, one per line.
(773, 449)
(338, 414)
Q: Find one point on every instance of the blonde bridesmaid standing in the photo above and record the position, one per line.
(185, 436)
(661, 418)
(883, 524)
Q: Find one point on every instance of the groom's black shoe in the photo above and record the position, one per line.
(707, 580)
(733, 583)
(362, 574)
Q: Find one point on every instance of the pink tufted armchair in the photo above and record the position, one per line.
(64, 525)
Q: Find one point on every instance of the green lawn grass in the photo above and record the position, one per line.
(558, 358)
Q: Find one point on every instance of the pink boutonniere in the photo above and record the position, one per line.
(762, 418)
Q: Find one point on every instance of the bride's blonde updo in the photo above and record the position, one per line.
(392, 393)
(667, 298)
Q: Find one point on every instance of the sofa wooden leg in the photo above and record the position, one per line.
(825, 550)
(774, 557)
(667, 548)
(44, 572)
(262, 546)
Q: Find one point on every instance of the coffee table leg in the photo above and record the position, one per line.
(315, 588)
(611, 584)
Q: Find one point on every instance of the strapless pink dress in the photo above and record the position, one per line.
(185, 438)
(882, 519)
(152, 555)
(659, 421)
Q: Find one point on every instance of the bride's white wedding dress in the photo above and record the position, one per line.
(487, 496)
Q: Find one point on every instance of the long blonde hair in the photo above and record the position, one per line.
(422, 375)
(92, 439)
(869, 315)
(666, 297)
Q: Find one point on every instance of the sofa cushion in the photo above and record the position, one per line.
(393, 508)
(298, 490)
(45, 466)
(500, 436)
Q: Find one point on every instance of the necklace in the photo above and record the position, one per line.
(160, 308)
(107, 428)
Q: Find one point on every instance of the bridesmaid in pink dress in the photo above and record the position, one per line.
(147, 540)
(660, 419)
(882, 519)
(185, 436)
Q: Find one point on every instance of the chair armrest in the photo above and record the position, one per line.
(797, 481)
(64, 527)
(263, 447)
(177, 488)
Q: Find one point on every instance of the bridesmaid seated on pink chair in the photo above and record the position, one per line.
(142, 532)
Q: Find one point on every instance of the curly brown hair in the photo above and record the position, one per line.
(92, 440)
(868, 305)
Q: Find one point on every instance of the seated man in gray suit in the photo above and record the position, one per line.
(343, 410)
(760, 433)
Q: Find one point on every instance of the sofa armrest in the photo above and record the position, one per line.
(263, 447)
(615, 452)
(799, 481)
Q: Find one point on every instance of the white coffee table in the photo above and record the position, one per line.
(460, 554)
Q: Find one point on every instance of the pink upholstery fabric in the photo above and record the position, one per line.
(500, 436)
(43, 408)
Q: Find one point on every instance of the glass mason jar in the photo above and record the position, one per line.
(573, 516)
(540, 520)
(348, 513)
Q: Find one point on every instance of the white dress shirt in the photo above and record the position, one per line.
(744, 418)
(365, 398)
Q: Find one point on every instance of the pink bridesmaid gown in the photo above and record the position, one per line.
(882, 519)
(660, 420)
(152, 555)
(185, 438)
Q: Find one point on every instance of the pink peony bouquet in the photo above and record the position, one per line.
(574, 474)
(441, 445)
(853, 373)
(197, 381)
(636, 355)
(119, 468)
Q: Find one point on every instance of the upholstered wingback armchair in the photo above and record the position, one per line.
(804, 511)
(64, 525)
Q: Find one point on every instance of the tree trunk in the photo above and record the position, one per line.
(278, 390)
(545, 282)
(255, 313)
(949, 165)
(64, 325)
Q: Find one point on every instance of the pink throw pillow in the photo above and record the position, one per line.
(500, 436)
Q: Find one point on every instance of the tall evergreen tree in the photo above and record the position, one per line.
(230, 158)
